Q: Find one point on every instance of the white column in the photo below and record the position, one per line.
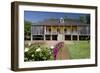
(87, 30)
(44, 32)
(44, 37)
(44, 29)
(50, 37)
(77, 34)
(71, 37)
(31, 34)
(77, 37)
(51, 33)
(71, 33)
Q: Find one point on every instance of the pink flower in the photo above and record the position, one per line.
(55, 52)
(56, 49)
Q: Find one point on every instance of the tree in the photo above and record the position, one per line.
(27, 29)
(85, 19)
(53, 19)
(88, 19)
(82, 19)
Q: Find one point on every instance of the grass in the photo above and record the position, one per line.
(79, 49)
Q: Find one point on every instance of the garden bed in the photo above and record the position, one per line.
(42, 51)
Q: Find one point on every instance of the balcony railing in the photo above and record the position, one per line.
(69, 33)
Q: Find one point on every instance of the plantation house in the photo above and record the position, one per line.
(60, 30)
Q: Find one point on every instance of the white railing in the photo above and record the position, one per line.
(67, 33)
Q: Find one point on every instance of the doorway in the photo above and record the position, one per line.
(60, 37)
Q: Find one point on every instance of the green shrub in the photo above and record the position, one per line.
(38, 52)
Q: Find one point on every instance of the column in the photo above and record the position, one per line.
(44, 37)
(71, 37)
(71, 30)
(87, 30)
(51, 33)
(44, 32)
(51, 37)
(77, 37)
(31, 34)
(77, 34)
(71, 33)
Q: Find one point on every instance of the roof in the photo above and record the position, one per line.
(57, 23)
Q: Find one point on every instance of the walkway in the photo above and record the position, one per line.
(63, 54)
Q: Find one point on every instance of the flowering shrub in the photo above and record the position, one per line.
(57, 48)
(38, 52)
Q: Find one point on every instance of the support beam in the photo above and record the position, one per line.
(71, 29)
(44, 29)
(87, 30)
(31, 35)
(51, 30)
(31, 38)
(71, 37)
(78, 33)
(77, 37)
(51, 37)
(44, 37)
(51, 33)
(44, 32)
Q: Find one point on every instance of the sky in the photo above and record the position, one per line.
(36, 16)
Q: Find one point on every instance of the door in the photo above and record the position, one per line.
(60, 37)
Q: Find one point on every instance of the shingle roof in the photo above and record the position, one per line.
(57, 22)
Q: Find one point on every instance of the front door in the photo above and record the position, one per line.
(60, 37)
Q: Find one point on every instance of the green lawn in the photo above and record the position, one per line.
(79, 49)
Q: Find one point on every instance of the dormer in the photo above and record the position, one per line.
(61, 20)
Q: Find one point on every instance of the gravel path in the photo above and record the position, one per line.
(63, 54)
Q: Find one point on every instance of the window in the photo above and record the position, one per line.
(54, 37)
(84, 30)
(58, 30)
(65, 30)
(49, 29)
(67, 37)
(37, 30)
(74, 37)
(38, 37)
(48, 37)
(84, 37)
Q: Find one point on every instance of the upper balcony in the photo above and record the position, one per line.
(69, 33)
